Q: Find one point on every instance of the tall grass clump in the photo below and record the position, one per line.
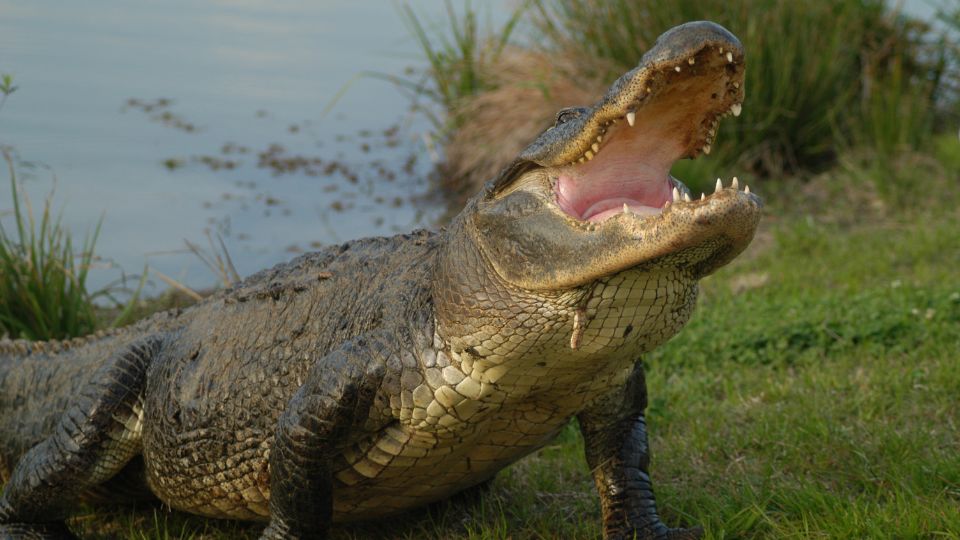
(459, 59)
(821, 76)
(43, 292)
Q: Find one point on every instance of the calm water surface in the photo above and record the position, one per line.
(138, 108)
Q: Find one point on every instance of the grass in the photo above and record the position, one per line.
(43, 293)
(6, 87)
(458, 58)
(822, 403)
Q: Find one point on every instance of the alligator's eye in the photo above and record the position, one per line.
(565, 115)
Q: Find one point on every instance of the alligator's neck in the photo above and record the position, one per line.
(502, 334)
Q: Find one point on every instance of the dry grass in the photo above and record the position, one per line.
(529, 87)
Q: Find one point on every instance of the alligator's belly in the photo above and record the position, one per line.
(460, 444)
(405, 468)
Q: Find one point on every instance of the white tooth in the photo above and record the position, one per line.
(730, 57)
(676, 194)
(706, 149)
(719, 186)
(649, 91)
(702, 196)
(596, 147)
(736, 108)
(686, 197)
(626, 209)
(589, 154)
(677, 68)
(581, 160)
(736, 85)
(631, 118)
(735, 184)
(691, 61)
(599, 138)
(666, 205)
(721, 50)
(746, 189)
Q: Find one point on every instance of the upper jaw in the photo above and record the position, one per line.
(640, 136)
(696, 67)
(694, 88)
(621, 150)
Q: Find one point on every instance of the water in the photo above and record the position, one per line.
(245, 74)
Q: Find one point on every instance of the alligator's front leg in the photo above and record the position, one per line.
(335, 398)
(95, 438)
(615, 435)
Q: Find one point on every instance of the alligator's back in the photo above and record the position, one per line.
(342, 291)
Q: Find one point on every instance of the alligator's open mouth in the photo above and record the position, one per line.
(593, 195)
(670, 111)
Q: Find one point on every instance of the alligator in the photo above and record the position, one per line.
(385, 374)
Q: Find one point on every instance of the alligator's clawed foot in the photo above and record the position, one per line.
(279, 531)
(35, 531)
(272, 532)
(659, 533)
(693, 533)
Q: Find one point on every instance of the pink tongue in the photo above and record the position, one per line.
(598, 199)
(606, 208)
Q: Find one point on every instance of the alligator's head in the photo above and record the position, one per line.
(592, 196)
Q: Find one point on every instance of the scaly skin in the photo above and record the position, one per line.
(389, 373)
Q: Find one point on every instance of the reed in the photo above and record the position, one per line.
(43, 291)
(459, 59)
(43, 276)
